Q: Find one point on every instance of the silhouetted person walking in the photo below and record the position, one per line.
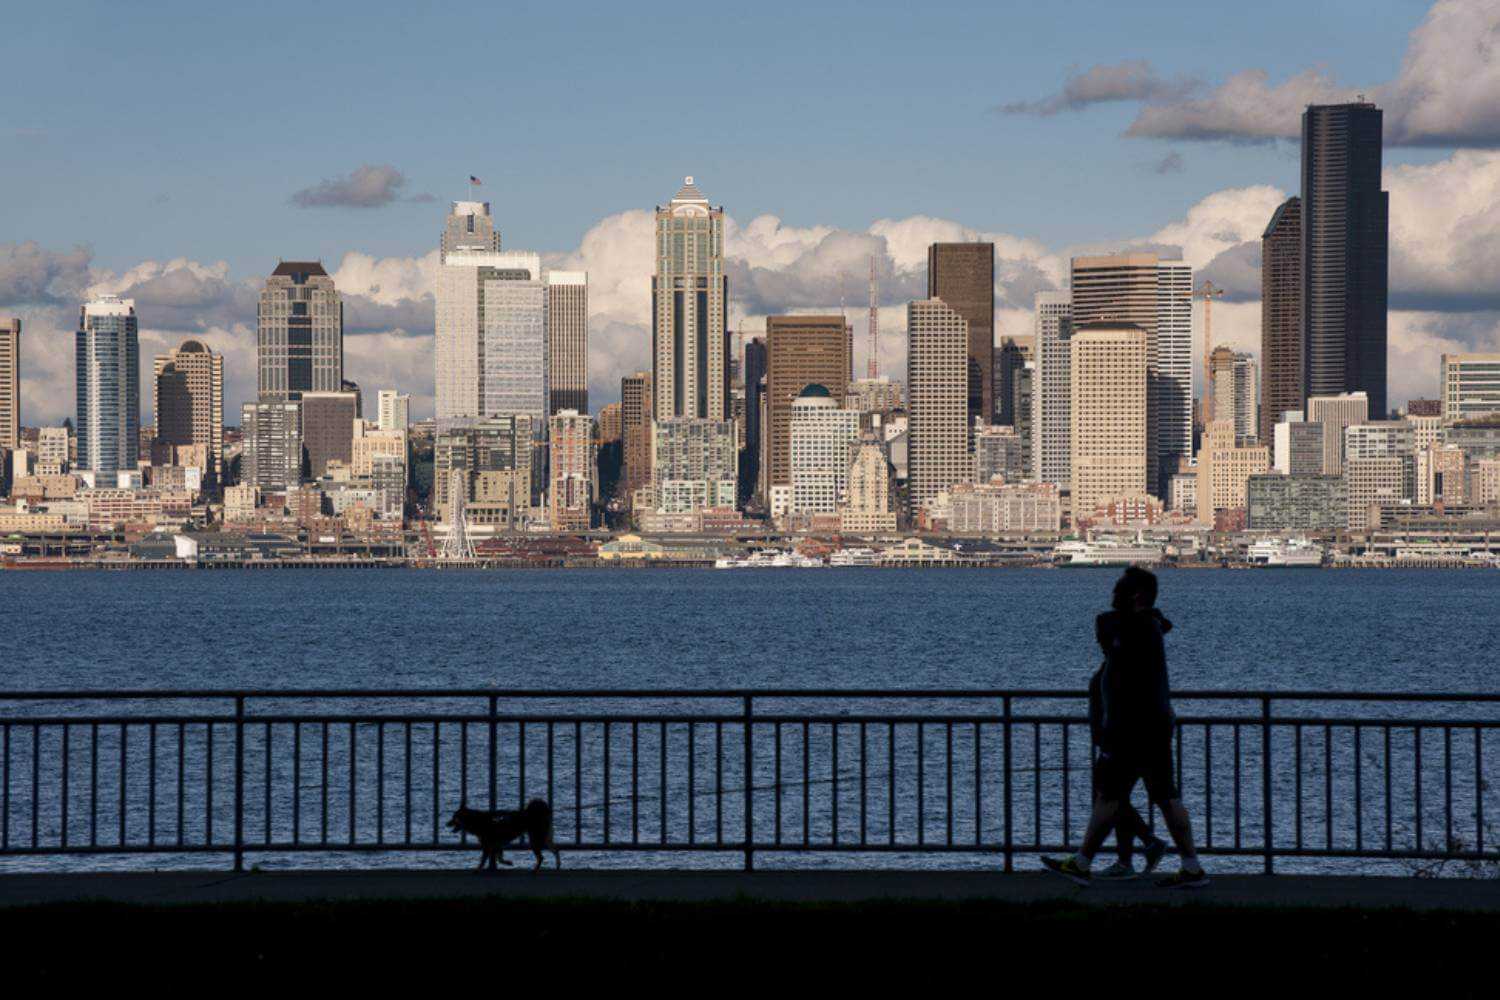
(1129, 826)
(1137, 730)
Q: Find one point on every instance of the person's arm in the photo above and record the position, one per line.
(1161, 620)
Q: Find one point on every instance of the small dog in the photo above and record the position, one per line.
(495, 829)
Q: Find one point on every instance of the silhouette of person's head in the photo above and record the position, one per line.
(1135, 590)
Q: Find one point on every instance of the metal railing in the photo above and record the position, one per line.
(1266, 775)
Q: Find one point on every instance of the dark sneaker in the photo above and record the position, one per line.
(1184, 880)
(1154, 852)
(1117, 870)
(1068, 868)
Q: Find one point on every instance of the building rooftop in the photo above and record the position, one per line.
(689, 192)
(294, 268)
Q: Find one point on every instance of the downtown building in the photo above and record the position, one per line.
(570, 477)
(1004, 508)
(107, 368)
(393, 410)
(868, 508)
(822, 440)
(495, 459)
(1335, 413)
(694, 464)
(1470, 386)
(567, 341)
(1297, 446)
(1052, 389)
(1236, 391)
(1345, 250)
(937, 365)
(272, 461)
(690, 310)
(299, 333)
(635, 433)
(1155, 295)
(1011, 358)
(1000, 452)
(10, 387)
(1282, 383)
(328, 420)
(1108, 420)
(801, 351)
(490, 343)
(1296, 502)
(188, 400)
(963, 276)
(1225, 464)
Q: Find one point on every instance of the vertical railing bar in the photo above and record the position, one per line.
(1208, 785)
(749, 782)
(661, 819)
(463, 774)
(1387, 770)
(1267, 820)
(94, 786)
(1238, 805)
(890, 781)
(1009, 805)
(297, 782)
(494, 752)
(239, 784)
(124, 773)
(1359, 788)
(978, 788)
(1448, 788)
(36, 784)
(719, 783)
(864, 798)
(1036, 783)
(577, 782)
(380, 782)
(353, 777)
(406, 779)
(778, 783)
(806, 777)
(833, 736)
(1478, 789)
(1067, 808)
(635, 782)
(323, 788)
(268, 784)
(551, 761)
(692, 798)
(1328, 787)
(1416, 733)
(181, 781)
(208, 805)
(65, 795)
(521, 764)
(606, 782)
(437, 777)
(921, 783)
(151, 787)
(949, 727)
(5, 787)
(1297, 766)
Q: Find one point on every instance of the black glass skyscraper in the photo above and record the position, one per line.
(1345, 241)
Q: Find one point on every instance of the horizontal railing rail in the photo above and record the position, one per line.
(1267, 775)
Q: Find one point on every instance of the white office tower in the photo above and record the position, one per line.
(107, 358)
(394, 410)
(937, 380)
(822, 443)
(690, 303)
(490, 356)
(1109, 415)
(1052, 393)
(469, 226)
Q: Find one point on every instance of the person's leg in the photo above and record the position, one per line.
(1163, 792)
(1180, 826)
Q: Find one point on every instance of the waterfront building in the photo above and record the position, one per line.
(1485, 480)
(999, 452)
(993, 508)
(1182, 495)
(1336, 413)
(1236, 391)
(1108, 419)
(394, 413)
(571, 470)
(1470, 385)
(107, 359)
(1442, 476)
(271, 432)
(1345, 249)
(963, 276)
(868, 507)
(1013, 354)
(690, 310)
(567, 341)
(1377, 485)
(1297, 446)
(1155, 295)
(1225, 465)
(635, 431)
(693, 464)
(188, 400)
(1296, 502)
(1053, 388)
(822, 436)
(10, 384)
(800, 351)
(494, 458)
(299, 333)
(1282, 382)
(937, 352)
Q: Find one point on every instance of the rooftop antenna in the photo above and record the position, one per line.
(874, 365)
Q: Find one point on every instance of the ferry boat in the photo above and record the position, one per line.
(1106, 552)
(854, 557)
(1286, 553)
(769, 559)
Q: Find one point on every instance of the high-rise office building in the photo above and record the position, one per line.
(690, 310)
(188, 400)
(1297, 446)
(755, 389)
(495, 459)
(328, 430)
(963, 276)
(1226, 461)
(800, 351)
(1052, 396)
(272, 433)
(1345, 250)
(1155, 295)
(1023, 391)
(570, 442)
(1108, 420)
(299, 333)
(394, 410)
(469, 226)
(1236, 392)
(694, 464)
(1335, 413)
(567, 341)
(1011, 356)
(937, 367)
(1470, 385)
(821, 447)
(108, 369)
(490, 343)
(10, 384)
(635, 432)
(1281, 378)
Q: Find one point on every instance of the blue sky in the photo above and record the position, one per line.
(165, 129)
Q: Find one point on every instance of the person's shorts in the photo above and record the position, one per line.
(1145, 760)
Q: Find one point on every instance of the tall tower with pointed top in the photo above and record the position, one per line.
(690, 309)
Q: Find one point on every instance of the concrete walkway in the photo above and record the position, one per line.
(803, 886)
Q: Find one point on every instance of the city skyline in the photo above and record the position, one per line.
(1441, 296)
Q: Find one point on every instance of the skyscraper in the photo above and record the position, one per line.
(567, 341)
(823, 436)
(1155, 295)
(107, 359)
(635, 431)
(394, 412)
(10, 384)
(490, 351)
(690, 309)
(1108, 414)
(272, 433)
(963, 276)
(328, 429)
(1012, 354)
(1345, 249)
(299, 333)
(755, 388)
(1336, 413)
(188, 400)
(937, 366)
(800, 351)
(570, 441)
(1236, 394)
(1281, 379)
(469, 226)
(1471, 385)
(1053, 389)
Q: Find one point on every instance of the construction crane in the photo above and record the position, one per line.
(1207, 291)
